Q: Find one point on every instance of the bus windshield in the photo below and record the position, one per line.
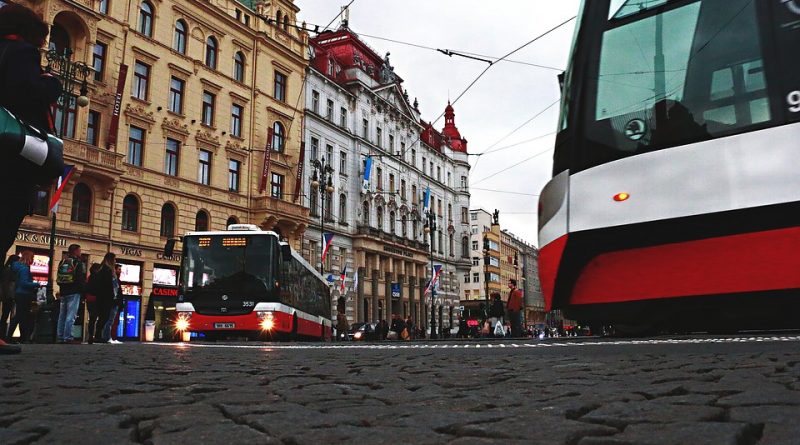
(229, 263)
(672, 73)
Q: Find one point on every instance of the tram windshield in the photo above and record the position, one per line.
(672, 73)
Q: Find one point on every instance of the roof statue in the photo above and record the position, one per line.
(387, 71)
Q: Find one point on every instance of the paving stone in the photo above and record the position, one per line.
(766, 414)
(757, 396)
(781, 434)
(11, 436)
(621, 414)
(699, 433)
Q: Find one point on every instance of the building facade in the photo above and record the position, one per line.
(183, 97)
(526, 271)
(485, 274)
(359, 118)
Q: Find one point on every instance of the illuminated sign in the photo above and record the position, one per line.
(204, 241)
(165, 292)
(239, 241)
(165, 277)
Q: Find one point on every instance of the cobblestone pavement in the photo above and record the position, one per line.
(727, 390)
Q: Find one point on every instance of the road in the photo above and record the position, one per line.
(697, 390)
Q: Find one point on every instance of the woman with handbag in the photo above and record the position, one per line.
(27, 93)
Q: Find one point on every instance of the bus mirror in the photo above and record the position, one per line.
(169, 248)
(561, 82)
(286, 252)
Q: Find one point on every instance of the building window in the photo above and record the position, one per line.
(81, 203)
(329, 153)
(391, 143)
(136, 139)
(313, 198)
(379, 178)
(466, 279)
(342, 208)
(201, 221)
(146, 19)
(392, 223)
(102, 6)
(233, 175)
(403, 225)
(343, 117)
(476, 261)
(403, 189)
(171, 157)
(424, 166)
(314, 148)
(208, 108)
(474, 230)
(441, 244)
(463, 182)
(365, 213)
(414, 231)
(329, 206)
(168, 221)
(141, 77)
(211, 52)
(315, 101)
(329, 110)
(452, 246)
(378, 136)
(280, 86)
(439, 173)
(474, 246)
(365, 129)
(93, 128)
(99, 61)
(464, 213)
(476, 277)
(277, 186)
(343, 162)
(204, 168)
(238, 66)
(231, 221)
(176, 87)
(179, 40)
(380, 218)
(278, 137)
(130, 214)
(41, 204)
(237, 111)
(414, 194)
(391, 182)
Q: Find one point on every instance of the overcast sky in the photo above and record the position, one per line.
(508, 95)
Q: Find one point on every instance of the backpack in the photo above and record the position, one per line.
(67, 270)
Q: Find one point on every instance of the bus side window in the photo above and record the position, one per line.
(786, 19)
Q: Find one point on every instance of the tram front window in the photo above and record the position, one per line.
(673, 73)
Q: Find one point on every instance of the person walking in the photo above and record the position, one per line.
(514, 308)
(7, 284)
(110, 330)
(104, 288)
(24, 294)
(91, 303)
(496, 312)
(412, 334)
(71, 279)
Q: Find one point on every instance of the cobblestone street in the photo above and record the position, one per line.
(730, 390)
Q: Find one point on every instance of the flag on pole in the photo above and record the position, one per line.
(426, 199)
(355, 281)
(437, 269)
(62, 183)
(343, 278)
(367, 174)
(328, 238)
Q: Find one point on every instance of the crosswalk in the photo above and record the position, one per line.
(445, 345)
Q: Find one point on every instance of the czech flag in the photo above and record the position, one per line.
(437, 269)
(62, 183)
(328, 238)
(343, 277)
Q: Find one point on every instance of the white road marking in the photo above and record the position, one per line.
(534, 344)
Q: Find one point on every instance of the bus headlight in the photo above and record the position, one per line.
(266, 320)
(182, 323)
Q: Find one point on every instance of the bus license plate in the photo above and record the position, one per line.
(224, 325)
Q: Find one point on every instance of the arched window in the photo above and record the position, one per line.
(278, 137)
(414, 232)
(452, 245)
(329, 206)
(404, 224)
(380, 218)
(59, 38)
(211, 52)
(343, 208)
(313, 198)
(238, 66)
(146, 19)
(231, 221)
(278, 18)
(168, 221)
(179, 42)
(81, 203)
(365, 213)
(130, 214)
(392, 225)
(465, 247)
(286, 22)
(201, 221)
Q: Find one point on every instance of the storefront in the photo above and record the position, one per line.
(161, 314)
(130, 315)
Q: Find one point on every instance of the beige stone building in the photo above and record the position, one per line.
(205, 82)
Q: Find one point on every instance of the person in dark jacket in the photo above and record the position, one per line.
(24, 293)
(7, 287)
(91, 304)
(71, 280)
(105, 292)
(496, 311)
(27, 93)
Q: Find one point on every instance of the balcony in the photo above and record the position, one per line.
(104, 165)
(286, 218)
(277, 206)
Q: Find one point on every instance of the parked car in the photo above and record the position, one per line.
(364, 332)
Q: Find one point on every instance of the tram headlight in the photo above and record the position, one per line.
(182, 323)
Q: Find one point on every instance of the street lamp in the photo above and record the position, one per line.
(70, 73)
(430, 229)
(322, 179)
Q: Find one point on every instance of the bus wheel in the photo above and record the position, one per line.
(293, 336)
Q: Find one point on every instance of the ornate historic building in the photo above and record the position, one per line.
(359, 117)
(182, 99)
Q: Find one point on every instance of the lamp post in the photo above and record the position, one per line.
(430, 229)
(322, 179)
(70, 73)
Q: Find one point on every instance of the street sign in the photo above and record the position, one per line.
(395, 290)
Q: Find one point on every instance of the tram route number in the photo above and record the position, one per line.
(793, 99)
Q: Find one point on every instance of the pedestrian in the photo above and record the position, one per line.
(462, 327)
(24, 294)
(410, 328)
(27, 93)
(496, 311)
(112, 325)
(105, 290)
(91, 303)
(342, 326)
(514, 308)
(384, 329)
(7, 284)
(71, 279)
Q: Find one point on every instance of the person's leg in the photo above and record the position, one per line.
(72, 302)
(112, 314)
(21, 317)
(62, 319)
(92, 309)
(102, 319)
(7, 305)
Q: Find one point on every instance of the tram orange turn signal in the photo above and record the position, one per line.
(619, 197)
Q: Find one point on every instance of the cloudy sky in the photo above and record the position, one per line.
(506, 97)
